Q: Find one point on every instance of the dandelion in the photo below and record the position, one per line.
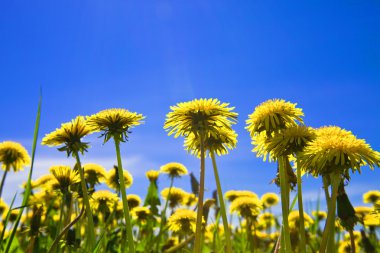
(371, 197)
(183, 221)
(152, 175)
(294, 220)
(362, 211)
(12, 155)
(69, 136)
(116, 124)
(174, 196)
(174, 169)
(64, 177)
(141, 214)
(205, 119)
(246, 207)
(233, 194)
(114, 182)
(320, 215)
(277, 120)
(270, 199)
(3, 206)
(273, 115)
(332, 154)
(94, 173)
(133, 201)
(103, 201)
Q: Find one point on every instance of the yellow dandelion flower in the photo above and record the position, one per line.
(362, 211)
(219, 144)
(174, 169)
(182, 221)
(273, 115)
(64, 177)
(133, 201)
(114, 123)
(190, 199)
(288, 141)
(69, 135)
(372, 220)
(294, 220)
(44, 196)
(247, 207)
(176, 196)
(205, 116)
(321, 215)
(371, 197)
(270, 199)
(13, 155)
(345, 246)
(94, 173)
(43, 180)
(103, 200)
(141, 213)
(12, 214)
(267, 220)
(152, 175)
(233, 194)
(113, 179)
(337, 150)
(3, 206)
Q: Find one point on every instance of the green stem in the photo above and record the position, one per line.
(284, 203)
(198, 230)
(3, 180)
(249, 236)
(329, 230)
(163, 215)
(222, 206)
(301, 214)
(90, 228)
(124, 198)
(352, 239)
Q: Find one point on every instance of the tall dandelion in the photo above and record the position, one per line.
(12, 156)
(333, 154)
(220, 144)
(202, 118)
(266, 126)
(116, 124)
(69, 136)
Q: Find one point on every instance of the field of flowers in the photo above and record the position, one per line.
(87, 208)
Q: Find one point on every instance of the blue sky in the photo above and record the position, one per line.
(93, 55)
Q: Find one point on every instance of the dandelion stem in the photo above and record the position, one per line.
(124, 198)
(301, 214)
(91, 229)
(352, 239)
(284, 203)
(3, 180)
(328, 236)
(198, 230)
(222, 206)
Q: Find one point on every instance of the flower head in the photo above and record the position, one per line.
(270, 199)
(94, 173)
(70, 136)
(183, 221)
(13, 155)
(247, 207)
(64, 177)
(337, 150)
(113, 179)
(174, 169)
(294, 219)
(175, 197)
(218, 143)
(114, 123)
(321, 215)
(152, 175)
(232, 195)
(371, 197)
(141, 213)
(133, 201)
(103, 200)
(273, 115)
(206, 116)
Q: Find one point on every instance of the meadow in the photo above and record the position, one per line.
(87, 208)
